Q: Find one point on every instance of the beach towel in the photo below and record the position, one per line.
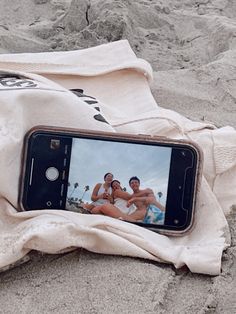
(36, 89)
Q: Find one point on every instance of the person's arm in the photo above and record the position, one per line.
(122, 194)
(145, 192)
(95, 197)
(147, 200)
(135, 199)
(110, 198)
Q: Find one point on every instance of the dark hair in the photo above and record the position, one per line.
(114, 182)
(107, 175)
(134, 178)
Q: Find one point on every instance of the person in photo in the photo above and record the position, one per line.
(154, 211)
(102, 193)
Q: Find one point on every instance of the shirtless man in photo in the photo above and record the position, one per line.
(151, 211)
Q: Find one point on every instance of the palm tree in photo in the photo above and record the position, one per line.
(159, 195)
(86, 188)
(76, 184)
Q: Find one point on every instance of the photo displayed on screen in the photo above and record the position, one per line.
(126, 181)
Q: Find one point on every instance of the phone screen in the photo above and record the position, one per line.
(147, 183)
(92, 159)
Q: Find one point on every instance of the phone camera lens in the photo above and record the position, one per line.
(176, 221)
(55, 144)
(49, 203)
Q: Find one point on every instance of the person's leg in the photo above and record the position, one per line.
(87, 206)
(152, 200)
(112, 211)
(139, 214)
(97, 209)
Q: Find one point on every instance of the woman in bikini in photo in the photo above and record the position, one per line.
(102, 193)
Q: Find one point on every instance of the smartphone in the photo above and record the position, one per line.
(145, 180)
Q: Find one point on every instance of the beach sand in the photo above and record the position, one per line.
(191, 45)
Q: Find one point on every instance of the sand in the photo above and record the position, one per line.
(191, 45)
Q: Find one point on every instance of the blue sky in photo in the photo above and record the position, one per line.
(91, 159)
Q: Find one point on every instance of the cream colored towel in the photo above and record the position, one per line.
(34, 90)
